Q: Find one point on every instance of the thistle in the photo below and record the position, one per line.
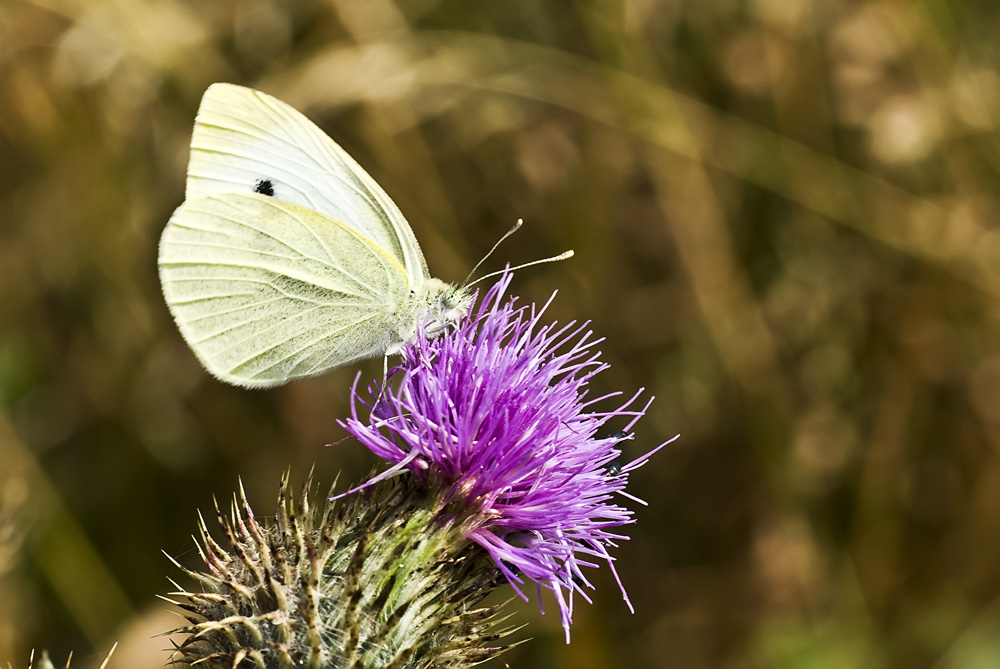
(492, 419)
(377, 581)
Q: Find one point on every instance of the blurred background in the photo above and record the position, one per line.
(785, 215)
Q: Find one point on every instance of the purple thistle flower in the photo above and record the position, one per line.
(493, 417)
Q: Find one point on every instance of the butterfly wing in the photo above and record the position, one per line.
(266, 290)
(244, 139)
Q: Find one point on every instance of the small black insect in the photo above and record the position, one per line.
(264, 187)
(614, 468)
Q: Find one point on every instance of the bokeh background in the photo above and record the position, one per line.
(785, 214)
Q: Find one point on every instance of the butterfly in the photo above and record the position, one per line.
(286, 259)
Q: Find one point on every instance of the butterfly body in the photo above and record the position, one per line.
(286, 259)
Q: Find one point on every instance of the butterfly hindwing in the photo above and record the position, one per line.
(266, 290)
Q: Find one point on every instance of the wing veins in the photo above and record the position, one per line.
(225, 312)
(210, 279)
(352, 324)
(230, 328)
(251, 215)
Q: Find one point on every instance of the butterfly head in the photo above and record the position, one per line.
(438, 305)
(447, 305)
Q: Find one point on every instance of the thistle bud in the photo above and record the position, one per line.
(380, 579)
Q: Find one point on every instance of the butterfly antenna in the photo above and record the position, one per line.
(561, 256)
(517, 226)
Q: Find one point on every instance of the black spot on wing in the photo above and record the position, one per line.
(264, 187)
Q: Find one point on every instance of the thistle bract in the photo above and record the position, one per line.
(493, 417)
(370, 583)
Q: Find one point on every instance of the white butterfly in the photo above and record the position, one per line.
(286, 259)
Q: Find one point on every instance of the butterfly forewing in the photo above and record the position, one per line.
(266, 290)
(244, 138)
